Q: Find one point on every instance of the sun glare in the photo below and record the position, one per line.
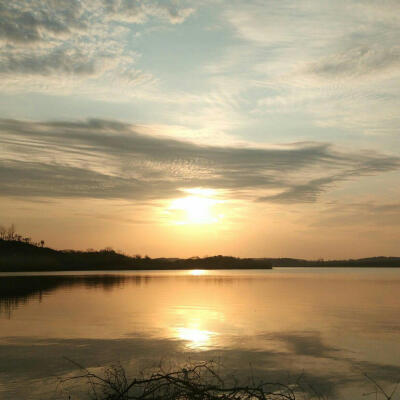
(196, 325)
(199, 207)
(197, 272)
(196, 338)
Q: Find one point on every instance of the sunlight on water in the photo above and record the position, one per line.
(282, 321)
(197, 272)
(196, 338)
(196, 325)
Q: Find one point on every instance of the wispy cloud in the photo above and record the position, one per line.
(358, 62)
(27, 22)
(69, 62)
(139, 12)
(330, 62)
(109, 159)
(373, 213)
(48, 42)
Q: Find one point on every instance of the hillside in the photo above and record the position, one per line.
(20, 256)
(16, 255)
(372, 262)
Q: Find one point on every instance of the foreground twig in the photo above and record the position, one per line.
(195, 382)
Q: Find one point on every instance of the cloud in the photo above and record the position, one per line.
(139, 12)
(109, 159)
(331, 63)
(32, 21)
(51, 41)
(370, 214)
(59, 61)
(358, 62)
(365, 164)
(307, 192)
(80, 47)
(27, 22)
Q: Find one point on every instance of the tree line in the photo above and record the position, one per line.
(11, 234)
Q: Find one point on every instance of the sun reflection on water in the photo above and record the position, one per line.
(196, 326)
(196, 338)
(197, 272)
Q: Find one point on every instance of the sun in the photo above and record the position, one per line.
(196, 210)
(200, 206)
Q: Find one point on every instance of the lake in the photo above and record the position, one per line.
(326, 328)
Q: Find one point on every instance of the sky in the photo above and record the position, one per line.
(191, 128)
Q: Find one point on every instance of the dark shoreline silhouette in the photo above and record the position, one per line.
(22, 256)
(19, 256)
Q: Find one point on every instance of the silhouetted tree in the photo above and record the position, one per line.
(11, 232)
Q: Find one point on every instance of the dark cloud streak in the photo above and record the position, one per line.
(51, 63)
(357, 62)
(28, 22)
(136, 166)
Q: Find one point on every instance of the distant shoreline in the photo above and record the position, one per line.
(126, 269)
(20, 256)
(208, 268)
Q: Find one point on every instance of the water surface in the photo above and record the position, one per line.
(329, 326)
